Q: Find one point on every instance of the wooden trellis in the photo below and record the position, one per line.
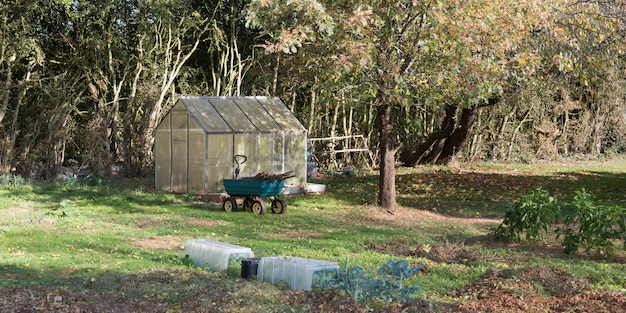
(331, 151)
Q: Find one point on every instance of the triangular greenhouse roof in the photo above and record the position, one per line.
(240, 114)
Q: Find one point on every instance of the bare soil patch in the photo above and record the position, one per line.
(409, 216)
(204, 223)
(165, 242)
(536, 290)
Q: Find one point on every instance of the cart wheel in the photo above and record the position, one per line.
(229, 204)
(258, 207)
(279, 206)
(247, 204)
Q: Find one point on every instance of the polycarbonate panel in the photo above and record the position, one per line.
(163, 160)
(299, 170)
(248, 145)
(278, 151)
(266, 153)
(194, 126)
(179, 120)
(281, 113)
(295, 156)
(179, 160)
(195, 179)
(294, 151)
(257, 114)
(278, 168)
(196, 161)
(278, 165)
(179, 107)
(219, 159)
(232, 114)
(165, 123)
(206, 115)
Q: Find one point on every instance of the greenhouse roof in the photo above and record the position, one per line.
(240, 114)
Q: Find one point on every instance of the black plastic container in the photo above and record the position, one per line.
(249, 267)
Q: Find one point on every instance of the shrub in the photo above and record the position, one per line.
(533, 214)
(5, 180)
(593, 227)
(12, 181)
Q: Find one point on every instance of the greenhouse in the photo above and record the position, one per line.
(203, 140)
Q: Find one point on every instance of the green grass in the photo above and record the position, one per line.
(56, 234)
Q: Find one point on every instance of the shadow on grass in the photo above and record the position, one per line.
(121, 195)
(475, 194)
(145, 291)
(526, 250)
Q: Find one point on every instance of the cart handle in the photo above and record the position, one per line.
(239, 156)
(236, 159)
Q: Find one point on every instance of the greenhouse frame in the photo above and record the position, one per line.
(197, 141)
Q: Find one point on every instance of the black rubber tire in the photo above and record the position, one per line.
(247, 204)
(279, 206)
(258, 207)
(229, 204)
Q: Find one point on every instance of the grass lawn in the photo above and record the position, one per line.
(112, 246)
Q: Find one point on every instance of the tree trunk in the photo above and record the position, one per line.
(8, 82)
(312, 108)
(597, 134)
(459, 137)
(515, 132)
(129, 127)
(447, 126)
(276, 70)
(475, 143)
(435, 152)
(175, 57)
(7, 157)
(495, 146)
(387, 180)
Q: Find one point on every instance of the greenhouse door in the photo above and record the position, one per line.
(180, 153)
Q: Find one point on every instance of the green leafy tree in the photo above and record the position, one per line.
(40, 89)
(570, 102)
(477, 53)
(131, 54)
(20, 57)
(400, 49)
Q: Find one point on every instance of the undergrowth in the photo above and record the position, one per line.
(590, 226)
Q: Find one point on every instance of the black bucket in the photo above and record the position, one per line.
(249, 267)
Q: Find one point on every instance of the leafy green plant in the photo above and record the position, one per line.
(593, 227)
(18, 180)
(186, 261)
(69, 184)
(96, 178)
(393, 283)
(532, 214)
(396, 276)
(63, 209)
(5, 180)
(12, 181)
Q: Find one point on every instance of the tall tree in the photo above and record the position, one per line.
(395, 31)
(168, 35)
(478, 52)
(29, 31)
(131, 54)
